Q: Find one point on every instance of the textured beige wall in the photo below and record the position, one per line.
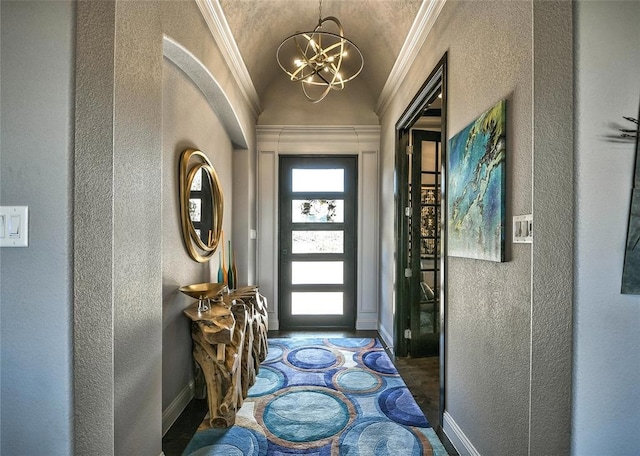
(489, 318)
(118, 240)
(552, 257)
(188, 122)
(183, 22)
(117, 283)
(93, 228)
(137, 179)
(284, 103)
(137, 228)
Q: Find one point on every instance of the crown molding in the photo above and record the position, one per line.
(325, 139)
(214, 17)
(422, 25)
(325, 135)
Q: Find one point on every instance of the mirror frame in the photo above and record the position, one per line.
(191, 162)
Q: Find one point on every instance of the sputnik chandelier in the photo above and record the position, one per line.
(321, 60)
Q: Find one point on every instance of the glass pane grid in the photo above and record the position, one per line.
(317, 211)
(317, 180)
(317, 272)
(317, 241)
(316, 303)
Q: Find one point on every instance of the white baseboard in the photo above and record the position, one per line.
(366, 325)
(171, 414)
(386, 337)
(457, 438)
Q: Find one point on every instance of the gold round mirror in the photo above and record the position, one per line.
(201, 205)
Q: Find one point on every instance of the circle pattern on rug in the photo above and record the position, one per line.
(305, 415)
(268, 381)
(351, 342)
(379, 362)
(356, 380)
(235, 441)
(274, 354)
(400, 406)
(312, 358)
(376, 437)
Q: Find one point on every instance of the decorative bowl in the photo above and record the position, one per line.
(202, 291)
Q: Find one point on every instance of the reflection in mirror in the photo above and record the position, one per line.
(201, 205)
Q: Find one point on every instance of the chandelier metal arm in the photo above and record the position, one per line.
(315, 65)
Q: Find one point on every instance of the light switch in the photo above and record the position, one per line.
(523, 229)
(14, 226)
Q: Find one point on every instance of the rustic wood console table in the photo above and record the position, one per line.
(229, 343)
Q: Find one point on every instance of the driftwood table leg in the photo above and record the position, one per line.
(229, 343)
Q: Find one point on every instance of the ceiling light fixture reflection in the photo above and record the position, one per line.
(320, 60)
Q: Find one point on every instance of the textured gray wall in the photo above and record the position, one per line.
(93, 239)
(118, 300)
(36, 282)
(137, 228)
(285, 104)
(183, 22)
(118, 238)
(552, 250)
(489, 318)
(607, 340)
(188, 122)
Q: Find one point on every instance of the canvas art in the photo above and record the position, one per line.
(631, 269)
(476, 188)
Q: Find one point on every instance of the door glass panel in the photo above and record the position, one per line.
(317, 242)
(317, 272)
(317, 180)
(317, 211)
(429, 153)
(316, 303)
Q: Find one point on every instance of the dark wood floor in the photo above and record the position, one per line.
(420, 374)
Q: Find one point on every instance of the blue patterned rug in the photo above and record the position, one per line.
(324, 397)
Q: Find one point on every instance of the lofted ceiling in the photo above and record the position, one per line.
(378, 27)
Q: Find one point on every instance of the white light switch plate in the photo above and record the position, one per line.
(14, 226)
(523, 229)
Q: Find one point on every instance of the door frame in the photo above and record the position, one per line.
(437, 81)
(350, 226)
(360, 140)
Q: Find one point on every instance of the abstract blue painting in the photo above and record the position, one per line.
(476, 188)
(631, 269)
